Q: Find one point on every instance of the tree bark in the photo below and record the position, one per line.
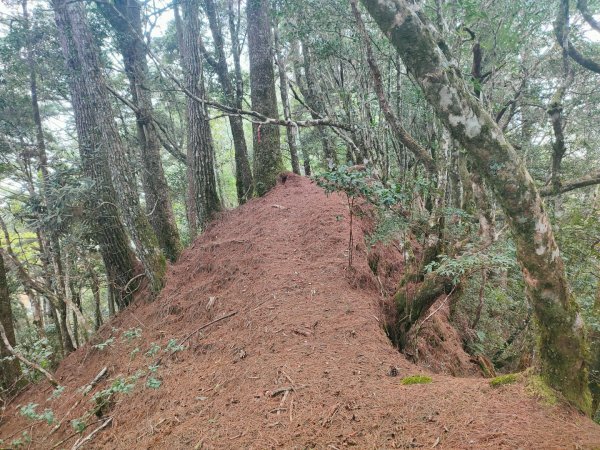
(125, 18)
(291, 131)
(104, 158)
(563, 348)
(267, 153)
(243, 174)
(10, 371)
(203, 200)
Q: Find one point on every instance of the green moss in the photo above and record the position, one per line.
(504, 379)
(537, 387)
(416, 379)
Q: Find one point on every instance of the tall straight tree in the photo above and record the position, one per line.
(243, 174)
(9, 368)
(103, 157)
(203, 200)
(563, 349)
(125, 16)
(291, 131)
(267, 153)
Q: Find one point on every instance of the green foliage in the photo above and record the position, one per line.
(132, 333)
(365, 184)
(20, 442)
(174, 347)
(29, 411)
(416, 379)
(153, 383)
(504, 379)
(78, 425)
(102, 345)
(134, 353)
(56, 393)
(457, 268)
(153, 350)
(39, 351)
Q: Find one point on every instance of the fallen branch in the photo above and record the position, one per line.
(58, 444)
(89, 437)
(86, 390)
(25, 361)
(206, 326)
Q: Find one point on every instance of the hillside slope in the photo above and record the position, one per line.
(303, 363)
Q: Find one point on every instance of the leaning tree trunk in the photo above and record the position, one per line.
(103, 156)
(203, 200)
(243, 174)
(10, 370)
(125, 18)
(563, 349)
(267, 153)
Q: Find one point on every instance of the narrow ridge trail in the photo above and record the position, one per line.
(303, 363)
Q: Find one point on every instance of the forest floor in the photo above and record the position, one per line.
(303, 362)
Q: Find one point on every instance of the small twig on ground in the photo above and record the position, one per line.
(283, 390)
(206, 326)
(327, 420)
(90, 436)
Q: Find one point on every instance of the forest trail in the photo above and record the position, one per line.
(303, 363)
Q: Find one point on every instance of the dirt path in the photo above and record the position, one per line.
(303, 363)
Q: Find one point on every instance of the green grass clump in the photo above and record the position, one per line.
(503, 379)
(416, 379)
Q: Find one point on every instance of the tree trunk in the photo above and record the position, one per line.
(267, 153)
(125, 18)
(95, 287)
(291, 131)
(203, 201)
(10, 371)
(104, 158)
(563, 348)
(243, 174)
(313, 100)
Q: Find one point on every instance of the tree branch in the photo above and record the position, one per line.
(584, 181)
(560, 30)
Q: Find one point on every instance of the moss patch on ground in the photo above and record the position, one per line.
(416, 379)
(537, 387)
(504, 379)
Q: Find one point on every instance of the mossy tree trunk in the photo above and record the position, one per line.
(125, 18)
(268, 162)
(104, 158)
(563, 349)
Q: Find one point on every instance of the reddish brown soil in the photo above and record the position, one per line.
(304, 322)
